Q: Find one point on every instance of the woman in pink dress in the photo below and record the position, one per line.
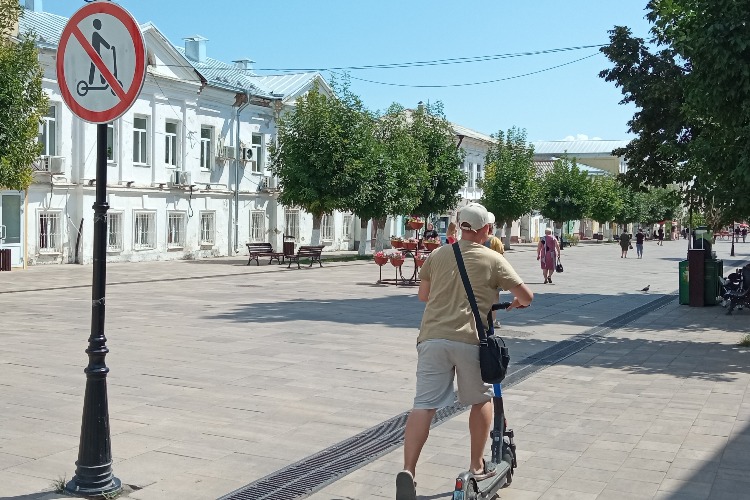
(546, 254)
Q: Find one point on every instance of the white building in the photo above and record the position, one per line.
(193, 143)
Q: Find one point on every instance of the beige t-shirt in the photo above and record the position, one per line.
(448, 313)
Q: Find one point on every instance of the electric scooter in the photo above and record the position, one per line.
(503, 447)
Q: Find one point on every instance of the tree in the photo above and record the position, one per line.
(565, 192)
(390, 185)
(606, 200)
(324, 146)
(693, 96)
(434, 133)
(509, 185)
(22, 102)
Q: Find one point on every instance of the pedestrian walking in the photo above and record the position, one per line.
(450, 234)
(661, 236)
(448, 342)
(546, 253)
(639, 237)
(744, 234)
(624, 244)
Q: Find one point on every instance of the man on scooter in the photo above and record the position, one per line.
(448, 342)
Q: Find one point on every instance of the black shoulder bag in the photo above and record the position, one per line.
(493, 353)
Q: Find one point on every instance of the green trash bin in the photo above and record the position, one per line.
(714, 269)
(684, 283)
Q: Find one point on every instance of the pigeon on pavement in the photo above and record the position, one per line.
(646, 289)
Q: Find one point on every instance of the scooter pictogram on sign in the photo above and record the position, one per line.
(101, 62)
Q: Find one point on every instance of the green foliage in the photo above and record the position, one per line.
(434, 133)
(565, 192)
(693, 97)
(509, 185)
(324, 151)
(22, 103)
(606, 199)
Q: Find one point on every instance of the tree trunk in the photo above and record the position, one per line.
(508, 229)
(380, 239)
(315, 239)
(364, 238)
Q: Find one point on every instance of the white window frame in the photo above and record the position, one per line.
(112, 155)
(471, 174)
(207, 148)
(292, 218)
(347, 229)
(143, 140)
(172, 144)
(144, 239)
(49, 231)
(208, 228)
(176, 229)
(257, 226)
(114, 231)
(257, 145)
(48, 131)
(327, 226)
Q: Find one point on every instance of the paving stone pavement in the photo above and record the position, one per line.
(223, 373)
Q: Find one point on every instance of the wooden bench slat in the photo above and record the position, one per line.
(257, 250)
(313, 252)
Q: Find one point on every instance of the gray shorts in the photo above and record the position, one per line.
(438, 360)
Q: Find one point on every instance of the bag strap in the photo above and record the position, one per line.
(469, 292)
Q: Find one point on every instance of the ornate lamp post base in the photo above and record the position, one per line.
(114, 487)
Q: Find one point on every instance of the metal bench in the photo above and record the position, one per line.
(257, 250)
(311, 252)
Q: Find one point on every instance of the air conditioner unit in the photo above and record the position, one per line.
(56, 164)
(269, 183)
(174, 178)
(228, 152)
(185, 179)
(42, 165)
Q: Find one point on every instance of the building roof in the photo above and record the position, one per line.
(588, 147)
(544, 166)
(288, 84)
(226, 75)
(473, 134)
(48, 27)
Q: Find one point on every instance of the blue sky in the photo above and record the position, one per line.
(552, 105)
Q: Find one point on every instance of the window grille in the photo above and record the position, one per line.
(257, 226)
(326, 228)
(48, 135)
(208, 228)
(291, 223)
(170, 144)
(207, 156)
(176, 229)
(144, 231)
(50, 237)
(114, 231)
(347, 229)
(140, 140)
(111, 142)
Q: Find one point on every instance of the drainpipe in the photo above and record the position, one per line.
(237, 176)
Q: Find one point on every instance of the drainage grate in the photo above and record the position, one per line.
(323, 468)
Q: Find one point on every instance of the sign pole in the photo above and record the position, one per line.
(93, 475)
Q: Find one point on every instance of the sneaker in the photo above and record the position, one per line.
(405, 486)
(496, 324)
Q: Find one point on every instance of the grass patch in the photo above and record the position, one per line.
(745, 341)
(58, 485)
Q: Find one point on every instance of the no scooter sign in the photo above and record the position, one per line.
(101, 62)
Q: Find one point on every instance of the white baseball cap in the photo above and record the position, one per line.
(474, 217)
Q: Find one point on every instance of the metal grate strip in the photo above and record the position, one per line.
(323, 468)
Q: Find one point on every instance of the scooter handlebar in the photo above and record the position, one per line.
(501, 305)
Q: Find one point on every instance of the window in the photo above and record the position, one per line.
(326, 228)
(144, 231)
(347, 229)
(140, 140)
(471, 175)
(111, 140)
(257, 165)
(114, 231)
(480, 173)
(207, 157)
(291, 223)
(257, 226)
(50, 238)
(48, 135)
(176, 229)
(208, 228)
(170, 143)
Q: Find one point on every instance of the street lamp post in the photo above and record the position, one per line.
(734, 237)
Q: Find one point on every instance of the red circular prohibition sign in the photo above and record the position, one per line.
(127, 98)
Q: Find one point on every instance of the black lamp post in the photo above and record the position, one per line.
(734, 236)
(562, 201)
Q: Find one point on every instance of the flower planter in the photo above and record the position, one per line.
(381, 261)
(431, 246)
(416, 225)
(397, 262)
(409, 245)
(397, 243)
(419, 262)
